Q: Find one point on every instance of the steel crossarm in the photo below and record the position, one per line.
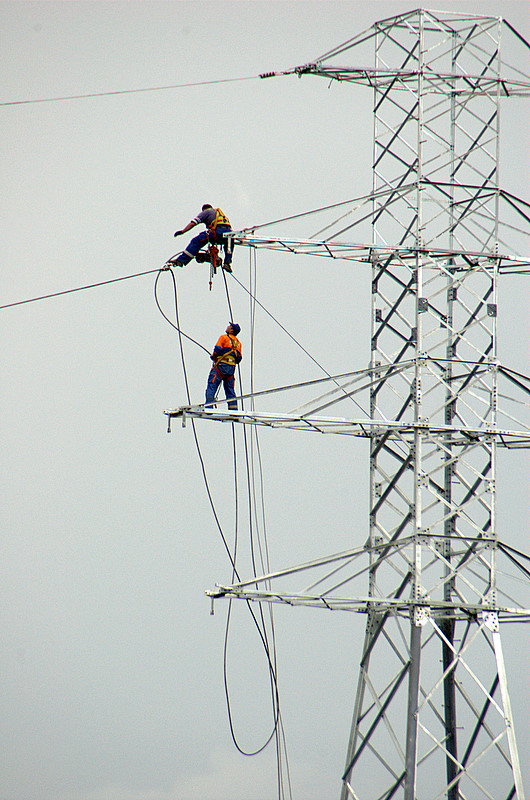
(363, 604)
(453, 83)
(373, 254)
(440, 82)
(332, 581)
(364, 428)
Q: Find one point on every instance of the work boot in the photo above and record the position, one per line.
(227, 267)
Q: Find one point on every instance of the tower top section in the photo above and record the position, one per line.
(453, 51)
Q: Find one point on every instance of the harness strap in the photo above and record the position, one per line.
(228, 358)
(221, 376)
(220, 219)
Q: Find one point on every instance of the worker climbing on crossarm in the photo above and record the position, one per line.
(217, 225)
(226, 354)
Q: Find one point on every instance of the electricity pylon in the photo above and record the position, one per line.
(432, 716)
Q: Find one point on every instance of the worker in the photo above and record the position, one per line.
(217, 224)
(226, 354)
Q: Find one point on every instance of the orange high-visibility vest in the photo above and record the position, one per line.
(233, 356)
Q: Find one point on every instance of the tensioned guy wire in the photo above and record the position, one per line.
(295, 341)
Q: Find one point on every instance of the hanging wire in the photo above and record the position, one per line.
(262, 632)
(203, 468)
(278, 730)
(181, 333)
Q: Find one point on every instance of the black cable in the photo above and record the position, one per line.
(195, 432)
(172, 323)
(278, 730)
(227, 694)
(520, 553)
(513, 372)
(263, 630)
(127, 91)
(232, 561)
(186, 382)
(523, 569)
(79, 288)
(104, 283)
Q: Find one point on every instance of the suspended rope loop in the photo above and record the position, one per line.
(177, 328)
(262, 633)
(203, 468)
(277, 729)
(261, 628)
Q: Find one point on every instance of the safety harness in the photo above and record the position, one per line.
(227, 358)
(220, 219)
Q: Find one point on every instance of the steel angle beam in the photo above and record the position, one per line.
(373, 254)
(365, 428)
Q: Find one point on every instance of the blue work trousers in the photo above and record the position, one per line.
(221, 373)
(214, 237)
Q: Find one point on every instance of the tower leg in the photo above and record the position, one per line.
(507, 708)
(448, 628)
(412, 712)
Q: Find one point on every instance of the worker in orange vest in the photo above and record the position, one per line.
(226, 354)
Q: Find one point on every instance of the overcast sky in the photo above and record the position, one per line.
(111, 679)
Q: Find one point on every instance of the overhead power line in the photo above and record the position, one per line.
(79, 288)
(126, 91)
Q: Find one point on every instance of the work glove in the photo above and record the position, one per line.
(177, 233)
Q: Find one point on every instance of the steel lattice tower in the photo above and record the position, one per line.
(436, 721)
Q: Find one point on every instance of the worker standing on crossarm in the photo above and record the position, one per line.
(226, 354)
(217, 224)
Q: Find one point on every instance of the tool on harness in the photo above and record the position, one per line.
(205, 257)
(211, 256)
(214, 252)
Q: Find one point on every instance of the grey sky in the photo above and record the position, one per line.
(112, 665)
